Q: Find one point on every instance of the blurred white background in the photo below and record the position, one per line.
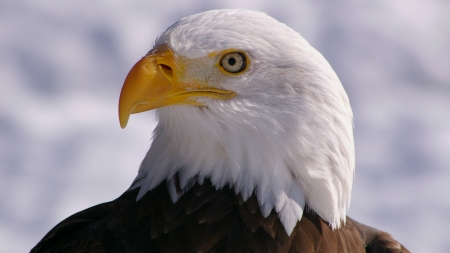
(62, 65)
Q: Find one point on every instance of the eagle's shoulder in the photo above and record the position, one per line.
(89, 230)
(376, 240)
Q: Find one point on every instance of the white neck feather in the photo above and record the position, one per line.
(285, 165)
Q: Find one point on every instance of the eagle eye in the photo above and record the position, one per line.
(234, 62)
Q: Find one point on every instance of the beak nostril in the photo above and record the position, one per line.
(166, 71)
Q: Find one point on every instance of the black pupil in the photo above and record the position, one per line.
(231, 61)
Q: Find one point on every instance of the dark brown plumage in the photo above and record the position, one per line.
(203, 220)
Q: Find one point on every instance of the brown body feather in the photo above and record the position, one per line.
(203, 220)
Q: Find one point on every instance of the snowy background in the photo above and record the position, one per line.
(62, 66)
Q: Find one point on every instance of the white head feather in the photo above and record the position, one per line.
(287, 134)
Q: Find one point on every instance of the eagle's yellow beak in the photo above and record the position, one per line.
(154, 82)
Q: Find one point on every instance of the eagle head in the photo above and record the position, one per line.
(245, 101)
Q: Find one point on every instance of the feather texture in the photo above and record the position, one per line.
(203, 220)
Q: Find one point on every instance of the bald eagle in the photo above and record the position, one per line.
(253, 151)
